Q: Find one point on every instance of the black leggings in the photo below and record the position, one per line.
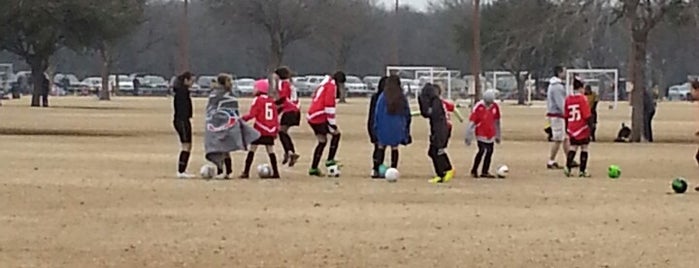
(440, 160)
(484, 148)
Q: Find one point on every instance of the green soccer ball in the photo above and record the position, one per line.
(382, 170)
(679, 185)
(614, 172)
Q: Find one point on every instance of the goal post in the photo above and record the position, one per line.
(410, 72)
(603, 81)
(447, 77)
(504, 81)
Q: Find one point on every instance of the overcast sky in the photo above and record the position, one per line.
(419, 4)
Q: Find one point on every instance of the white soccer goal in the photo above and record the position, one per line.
(408, 75)
(605, 82)
(506, 83)
(450, 80)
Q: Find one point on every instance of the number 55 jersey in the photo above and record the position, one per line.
(577, 115)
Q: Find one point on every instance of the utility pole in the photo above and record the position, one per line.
(395, 59)
(476, 52)
(183, 58)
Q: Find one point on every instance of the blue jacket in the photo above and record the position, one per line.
(391, 129)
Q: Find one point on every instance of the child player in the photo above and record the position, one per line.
(578, 119)
(449, 108)
(288, 104)
(485, 124)
(431, 108)
(321, 118)
(264, 111)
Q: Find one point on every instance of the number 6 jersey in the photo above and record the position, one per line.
(264, 111)
(577, 114)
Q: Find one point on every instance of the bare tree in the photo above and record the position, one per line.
(339, 34)
(284, 21)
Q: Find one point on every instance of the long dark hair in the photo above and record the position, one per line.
(395, 100)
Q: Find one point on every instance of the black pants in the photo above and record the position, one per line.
(647, 126)
(44, 98)
(484, 149)
(440, 160)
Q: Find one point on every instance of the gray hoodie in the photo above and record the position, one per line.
(555, 97)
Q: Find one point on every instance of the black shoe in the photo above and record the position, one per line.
(274, 177)
(487, 176)
(574, 164)
(244, 176)
(553, 166)
(375, 175)
(474, 174)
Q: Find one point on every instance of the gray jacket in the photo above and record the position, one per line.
(224, 131)
(555, 98)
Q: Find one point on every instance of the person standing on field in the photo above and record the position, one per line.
(182, 104)
(578, 125)
(484, 125)
(391, 123)
(288, 104)
(592, 101)
(555, 101)
(379, 151)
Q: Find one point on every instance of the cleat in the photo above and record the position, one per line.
(553, 166)
(286, 159)
(330, 163)
(487, 176)
(184, 175)
(293, 158)
(376, 175)
(584, 174)
(244, 176)
(449, 175)
(567, 172)
(436, 180)
(221, 176)
(315, 172)
(474, 174)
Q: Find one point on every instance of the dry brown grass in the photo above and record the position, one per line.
(91, 184)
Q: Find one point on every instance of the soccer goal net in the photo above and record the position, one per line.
(604, 82)
(506, 85)
(448, 80)
(409, 76)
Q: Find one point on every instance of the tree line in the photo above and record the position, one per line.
(248, 37)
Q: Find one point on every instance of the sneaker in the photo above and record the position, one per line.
(449, 175)
(184, 175)
(286, 159)
(436, 180)
(244, 176)
(330, 163)
(585, 174)
(376, 175)
(567, 172)
(293, 157)
(487, 176)
(222, 176)
(315, 172)
(553, 165)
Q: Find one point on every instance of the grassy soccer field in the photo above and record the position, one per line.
(88, 184)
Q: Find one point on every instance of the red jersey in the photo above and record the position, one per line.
(290, 96)
(577, 112)
(264, 111)
(484, 118)
(449, 108)
(322, 107)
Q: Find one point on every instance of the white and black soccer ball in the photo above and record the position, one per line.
(264, 171)
(392, 175)
(334, 171)
(503, 171)
(207, 171)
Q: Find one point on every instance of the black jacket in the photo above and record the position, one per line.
(370, 119)
(182, 102)
(431, 108)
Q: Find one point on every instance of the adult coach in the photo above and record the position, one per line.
(555, 102)
(182, 104)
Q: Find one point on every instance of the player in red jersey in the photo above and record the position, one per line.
(264, 111)
(485, 126)
(449, 109)
(288, 105)
(578, 117)
(321, 117)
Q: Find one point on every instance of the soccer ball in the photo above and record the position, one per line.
(614, 172)
(679, 185)
(334, 171)
(264, 171)
(392, 175)
(503, 171)
(207, 171)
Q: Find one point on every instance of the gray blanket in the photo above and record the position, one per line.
(225, 132)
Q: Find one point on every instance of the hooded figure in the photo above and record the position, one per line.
(391, 124)
(225, 132)
(372, 108)
(431, 108)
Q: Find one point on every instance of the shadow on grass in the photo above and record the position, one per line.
(63, 132)
(96, 108)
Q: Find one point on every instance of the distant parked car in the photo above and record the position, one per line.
(372, 82)
(94, 84)
(244, 86)
(313, 83)
(679, 92)
(74, 85)
(153, 85)
(356, 87)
